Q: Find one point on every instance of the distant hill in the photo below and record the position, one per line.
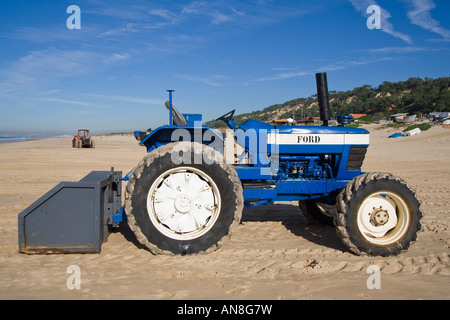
(413, 96)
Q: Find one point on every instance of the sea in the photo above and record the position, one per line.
(11, 137)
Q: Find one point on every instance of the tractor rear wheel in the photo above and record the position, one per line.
(378, 215)
(77, 143)
(183, 208)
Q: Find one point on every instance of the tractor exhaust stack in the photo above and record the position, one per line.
(323, 98)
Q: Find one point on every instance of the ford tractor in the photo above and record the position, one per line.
(187, 194)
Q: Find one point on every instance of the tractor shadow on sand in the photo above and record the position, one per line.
(290, 216)
(287, 213)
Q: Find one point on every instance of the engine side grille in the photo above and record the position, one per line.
(356, 158)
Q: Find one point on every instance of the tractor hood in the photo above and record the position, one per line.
(308, 139)
(320, 130)
(258, 125)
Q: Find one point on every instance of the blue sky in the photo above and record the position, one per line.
(112, 74)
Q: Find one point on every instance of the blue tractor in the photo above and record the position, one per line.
(187, 194)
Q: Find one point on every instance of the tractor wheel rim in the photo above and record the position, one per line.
(183, 203)
(383, 218)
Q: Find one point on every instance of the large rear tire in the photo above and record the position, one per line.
(378, 215)
(183, 208)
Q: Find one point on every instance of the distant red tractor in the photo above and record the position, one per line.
(83, 139)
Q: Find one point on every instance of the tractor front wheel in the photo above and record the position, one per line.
(183, 208)
(378, 215)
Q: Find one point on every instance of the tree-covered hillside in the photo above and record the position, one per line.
(414, 96)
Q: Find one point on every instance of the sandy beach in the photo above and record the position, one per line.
(275, 253)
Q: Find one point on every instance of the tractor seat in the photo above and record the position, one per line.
(177, 117)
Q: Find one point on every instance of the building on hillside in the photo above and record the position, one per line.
(292, 122)
(357, 116)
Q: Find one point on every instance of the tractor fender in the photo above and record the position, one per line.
(164, 135)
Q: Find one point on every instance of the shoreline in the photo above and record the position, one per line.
(33, 139)
(62, 136)
(373, 126)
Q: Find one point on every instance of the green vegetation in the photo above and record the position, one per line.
(414, 96)
(407, 127)
(421, 126)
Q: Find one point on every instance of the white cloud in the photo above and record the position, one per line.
(342, 65)
(116, 57)
(218, 17)
(333, 66)
(128, 99)
(38, 68)
(397, 49)
(195, 7)
(124, 29)
(55, 61)
(362, 5)
(166, 18)
(285, 75)
(239, 13)
(215, 12)
(41, 66)
(203, 80)
(65, 101)
(419, 14)
(163, 13)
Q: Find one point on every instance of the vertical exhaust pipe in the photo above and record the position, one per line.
(170, 107)
(323, 98)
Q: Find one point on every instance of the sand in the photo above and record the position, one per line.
(273, 254)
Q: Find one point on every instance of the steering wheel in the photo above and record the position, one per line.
(227, 116)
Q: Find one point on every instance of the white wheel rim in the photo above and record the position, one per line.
(383, 218)
(183, 203)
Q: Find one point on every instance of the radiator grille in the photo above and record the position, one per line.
(356, 158)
